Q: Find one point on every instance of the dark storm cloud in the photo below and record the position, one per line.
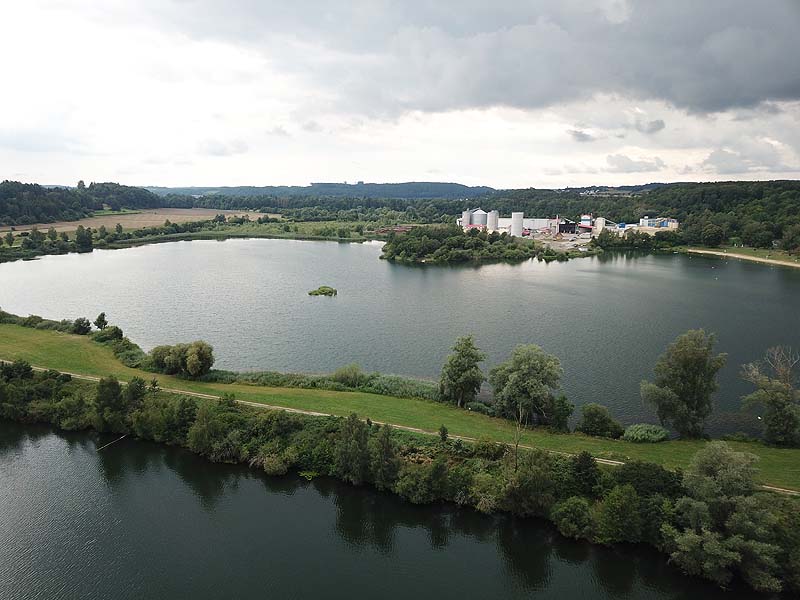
(386, 57)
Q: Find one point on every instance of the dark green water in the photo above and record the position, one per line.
(608, 319)
(138, 520)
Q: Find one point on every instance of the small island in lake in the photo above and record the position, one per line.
(323, 290)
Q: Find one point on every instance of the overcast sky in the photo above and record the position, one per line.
(548, 93)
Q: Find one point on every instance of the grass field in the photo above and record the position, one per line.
(78, 354)
(135, 219)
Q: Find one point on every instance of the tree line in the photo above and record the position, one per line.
(526, 389)
(711, 520)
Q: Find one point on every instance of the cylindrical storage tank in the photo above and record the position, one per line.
(516, 223)
(492, 220)
(465, 220)
(599, 225)
(479, 217)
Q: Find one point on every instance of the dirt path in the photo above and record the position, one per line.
(768, 261)
(604, 461)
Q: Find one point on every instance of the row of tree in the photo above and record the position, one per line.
(525, 388)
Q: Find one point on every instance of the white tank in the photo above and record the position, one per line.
(479, 217)
(492, 220)
(516, 223)
(465, 218)
(599, 225)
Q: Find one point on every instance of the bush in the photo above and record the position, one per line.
(480, 407)
(572, 517)
(598, 422)
(108, 334)
(645, 433)
(81, 326)
(350, 375)
(189, 360)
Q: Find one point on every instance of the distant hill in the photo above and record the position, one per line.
(413, 190)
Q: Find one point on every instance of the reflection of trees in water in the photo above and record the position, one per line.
(615, 569)
(526, 546)
(14, 436)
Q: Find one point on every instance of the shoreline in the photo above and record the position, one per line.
(756, 259)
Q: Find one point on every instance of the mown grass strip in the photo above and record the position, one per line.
(78, 354)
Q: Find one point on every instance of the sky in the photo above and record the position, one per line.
(550, 93)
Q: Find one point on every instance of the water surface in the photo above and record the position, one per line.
(607, 318)
(138, 520)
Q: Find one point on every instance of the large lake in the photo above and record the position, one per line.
(608, 318)
(137, 520)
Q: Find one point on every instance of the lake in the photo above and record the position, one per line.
(607, 318)
(139, 520)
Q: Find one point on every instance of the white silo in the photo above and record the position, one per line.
(479, 217)
(492, 220)
(516, 223)
(465, 218)
(599, 225)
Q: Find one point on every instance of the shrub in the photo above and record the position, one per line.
(480, 407)
(572, 517)
(107, 334)
(645, 433)
(598, 422)
(350, 375)
(81, 326)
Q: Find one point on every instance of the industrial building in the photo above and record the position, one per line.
(518, 225)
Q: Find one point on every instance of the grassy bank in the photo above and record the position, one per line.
(759, 255)
(78, 354)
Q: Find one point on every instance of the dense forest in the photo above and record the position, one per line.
(448, 244)
(28, 203)
(751, 213)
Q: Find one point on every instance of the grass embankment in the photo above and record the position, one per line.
(760, 255)
(80, 355)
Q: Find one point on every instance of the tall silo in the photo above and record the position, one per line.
(465, 218)
(479, 217)
(599, 225)
(492, 220)
(516, 223)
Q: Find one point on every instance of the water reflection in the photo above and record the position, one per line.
(289, 522)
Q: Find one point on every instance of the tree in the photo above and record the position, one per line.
(83, 239)
(462, 377)
(352, 457)
(52, 234)
(617, 517)
(118, 228)
(776, 393)
(81, 326)
(100, 322)
(383, 459)
(109, 406)
(597, 421)
(199, 358)
(443, 433)
(585, 474)
(9, 237)
(524, 384)
(712, 235)
(572, 517)
(686, 378)
(717, 472)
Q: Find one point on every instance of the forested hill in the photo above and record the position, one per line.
(414, 190)
(26, 203)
